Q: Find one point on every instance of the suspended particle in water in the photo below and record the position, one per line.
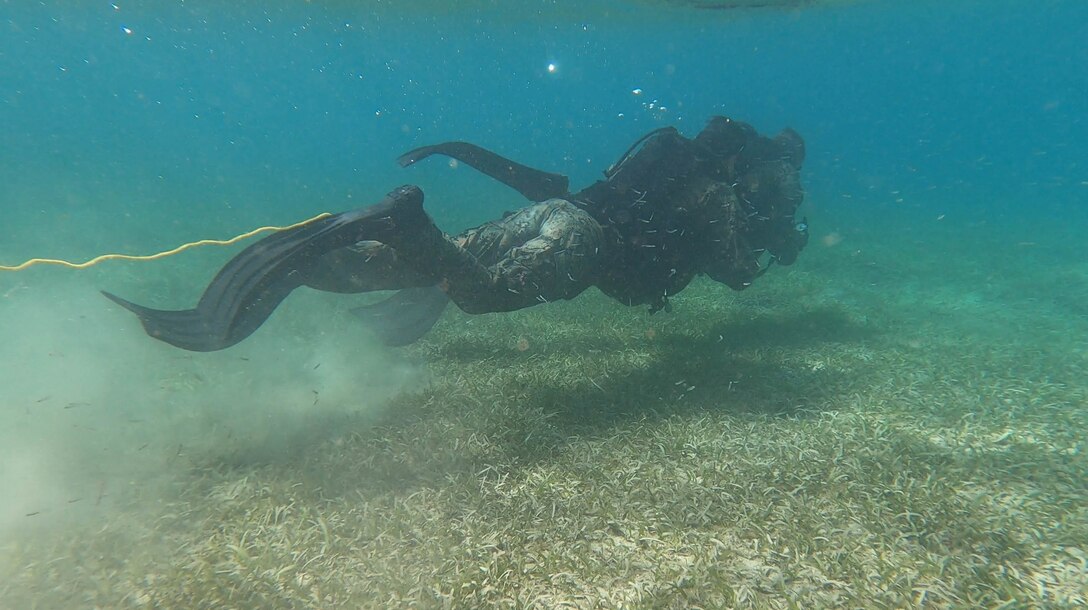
(831, 239)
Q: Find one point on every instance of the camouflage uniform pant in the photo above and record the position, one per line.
(544, 252)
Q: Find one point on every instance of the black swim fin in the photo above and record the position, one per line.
(406, 316)
(533, 184)
(250, 287)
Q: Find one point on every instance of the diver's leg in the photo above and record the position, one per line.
(368, 266)
(363, 267)
(548, 250)
(246, 291)
(404, 317)
(545, 252)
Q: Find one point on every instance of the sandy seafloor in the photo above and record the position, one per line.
(865, 429)
(897, 420)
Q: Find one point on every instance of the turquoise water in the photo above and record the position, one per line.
(270, 113)
(946, 153)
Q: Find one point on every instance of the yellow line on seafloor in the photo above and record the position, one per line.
(151, 257)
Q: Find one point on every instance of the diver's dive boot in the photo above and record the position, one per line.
(424, 248)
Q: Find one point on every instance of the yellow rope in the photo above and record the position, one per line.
(151, 257)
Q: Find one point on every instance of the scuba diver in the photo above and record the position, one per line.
(721, 203)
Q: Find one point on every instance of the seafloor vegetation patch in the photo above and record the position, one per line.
(866, 429)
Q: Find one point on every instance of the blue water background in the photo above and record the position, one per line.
(138, 125)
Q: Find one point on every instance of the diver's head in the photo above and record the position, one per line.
(740, 257)
(781, 233)
(788, 240)
(757, 225)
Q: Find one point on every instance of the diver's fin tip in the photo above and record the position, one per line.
(129, 305)
(414, 155)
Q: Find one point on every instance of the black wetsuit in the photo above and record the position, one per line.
(670, 209)
(680, 206)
